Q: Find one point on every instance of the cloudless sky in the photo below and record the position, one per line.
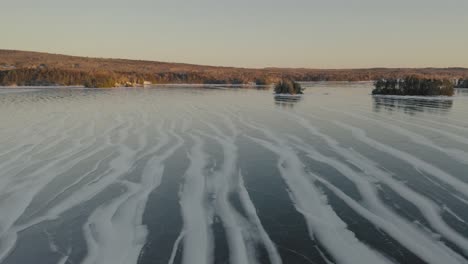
(247, 33)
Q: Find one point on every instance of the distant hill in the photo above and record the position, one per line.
(36, 68)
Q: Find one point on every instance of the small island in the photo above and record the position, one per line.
(413, 85)
(286, 87)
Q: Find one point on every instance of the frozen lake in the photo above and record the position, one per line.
(213, 175)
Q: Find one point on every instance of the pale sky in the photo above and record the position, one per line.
(246, 33)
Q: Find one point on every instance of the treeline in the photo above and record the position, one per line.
(42, 77)
(48, 77)
(413, 85)
(101, 79)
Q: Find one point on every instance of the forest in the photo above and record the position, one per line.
(35, 68)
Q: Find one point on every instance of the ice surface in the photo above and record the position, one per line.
(81, 172)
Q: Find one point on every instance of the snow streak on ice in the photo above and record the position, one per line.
(81, 170)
